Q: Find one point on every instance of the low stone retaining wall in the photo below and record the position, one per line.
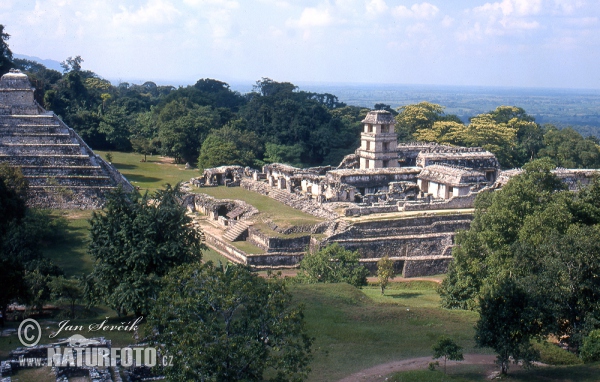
(277, 244)
(226, 249)
(360, 211)
(271, 260)
(457, 202)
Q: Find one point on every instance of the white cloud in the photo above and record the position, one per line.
(375, 7)
(423, 11)
(227, 4)
(567, 6)
(512, 7)
(447, 21)
(503, 18)
(312, 17)
(154, 12)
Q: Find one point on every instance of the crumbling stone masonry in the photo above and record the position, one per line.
(62, 170)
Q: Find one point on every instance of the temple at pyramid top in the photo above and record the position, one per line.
(62, 170)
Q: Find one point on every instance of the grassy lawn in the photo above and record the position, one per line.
(153, 173)
(71, 253)
(210, 254)
(281, 214)
(356, 329)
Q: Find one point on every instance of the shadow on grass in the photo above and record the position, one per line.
(405, 295)
(70, 254)
(121, 166)
(588, 372)
(141, 178)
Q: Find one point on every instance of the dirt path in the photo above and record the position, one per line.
(379, 372)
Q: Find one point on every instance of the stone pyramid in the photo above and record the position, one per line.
(62, 170)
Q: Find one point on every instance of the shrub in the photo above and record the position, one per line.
(333, 264)
(590, 350)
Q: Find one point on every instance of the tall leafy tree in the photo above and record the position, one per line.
(6, 57)
(134, 242)
(224, 323)
(420, 116)
(567, 148)
(229, 145)
(507, 323)
(484, 253)
(182, 127)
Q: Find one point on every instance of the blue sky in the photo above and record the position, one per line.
(522, 43)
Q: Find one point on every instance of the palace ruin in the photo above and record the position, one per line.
(405, 201)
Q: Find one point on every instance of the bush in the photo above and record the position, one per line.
(333, 264)
(590, 350)
(552, 354)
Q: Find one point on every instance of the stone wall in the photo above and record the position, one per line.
(426, 267)
(360, 211)
(406, 226)
(456, 202)
(278, 244)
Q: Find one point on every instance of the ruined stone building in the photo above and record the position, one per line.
(405, 201)
(62, 171)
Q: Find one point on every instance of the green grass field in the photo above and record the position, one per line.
(71, 253)
(356, 329)
(152, 174)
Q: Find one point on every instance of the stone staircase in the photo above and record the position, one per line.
(235, 232)
(336, 226)
(62, 170)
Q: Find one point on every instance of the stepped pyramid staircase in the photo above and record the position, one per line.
(62, 170)
(237, 231)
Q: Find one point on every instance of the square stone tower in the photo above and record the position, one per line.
(378, 141)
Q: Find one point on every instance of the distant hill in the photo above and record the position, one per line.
(50, 64)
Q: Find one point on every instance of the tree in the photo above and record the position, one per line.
(415, 117)
(447, 348)
(72, 64)
(69, 290)
(6, 57)
(182, 127)
(134, 242)
(115, 127)
(484, 254)
(225, 323)
(385, 272)
(333, 264)
(229, 145)
(567, 148)
(275, 153)
(507, 323)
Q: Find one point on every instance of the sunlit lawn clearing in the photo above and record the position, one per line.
(277, 211)
(353, 331)
(152, 174)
